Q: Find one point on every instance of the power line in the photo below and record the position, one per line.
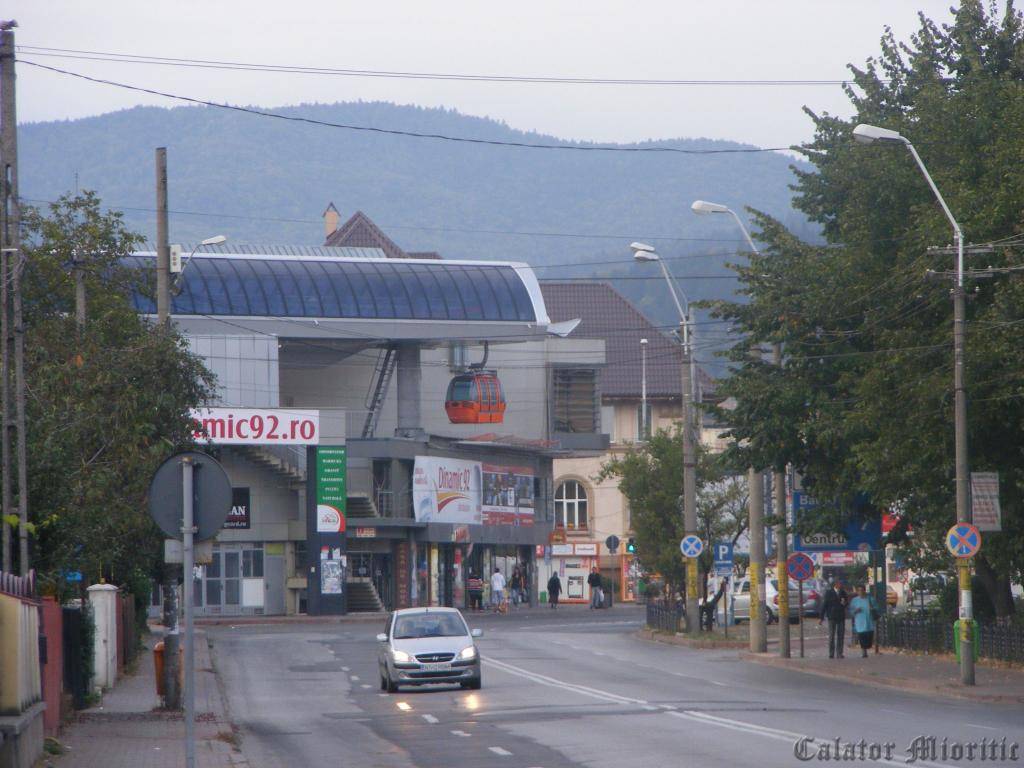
(131, 58)
(410, 134)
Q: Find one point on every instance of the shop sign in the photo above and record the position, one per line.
(837, 558)
(256, 426)
(366, 533)
(587, 549)
(238, 516)
(561, 550)
(331, 497)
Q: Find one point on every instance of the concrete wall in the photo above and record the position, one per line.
(103, 599)
(523, 369)
(246, 368)
(53, 670)
(272, 502)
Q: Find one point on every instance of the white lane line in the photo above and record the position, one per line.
(986, 727)
(461, 734)
(366, 685)
(355, 677)
(345, 669)
(574, 687)
(430, 719)
(722, 685)
(500, 751)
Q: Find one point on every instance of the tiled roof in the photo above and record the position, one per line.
(605, 314)
(360, 232)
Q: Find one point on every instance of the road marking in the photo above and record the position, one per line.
(986, 727)
(403, 706)
(500, 751)
(463, 734)
(430, 719)
(355, 677)
(345, 669)
(574, 687)
(715, 682)
(366, 685)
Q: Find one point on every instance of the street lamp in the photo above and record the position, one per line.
(215, 240)
(758, 636)
(643, 252)
(872, 134)
(643, 389)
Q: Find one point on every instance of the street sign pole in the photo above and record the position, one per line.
(800, 587)
(188, 587)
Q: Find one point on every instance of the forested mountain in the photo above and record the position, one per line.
(258, 179)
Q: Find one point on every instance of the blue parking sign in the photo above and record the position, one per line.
(722, 551)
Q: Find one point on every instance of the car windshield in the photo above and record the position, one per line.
(429, 625)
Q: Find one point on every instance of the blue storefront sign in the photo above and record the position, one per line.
(858, 534)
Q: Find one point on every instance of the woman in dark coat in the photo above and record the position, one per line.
(554, 589)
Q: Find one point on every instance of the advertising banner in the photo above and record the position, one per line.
(446, 490)
(238, 516)
(256, 426)
(330, 489)
(507, 495)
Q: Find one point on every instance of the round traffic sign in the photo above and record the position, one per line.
(799, 566)
(211, 495)
(612, 543)
(963, 540)
(691, 546)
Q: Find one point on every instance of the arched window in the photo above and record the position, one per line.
(571, 506)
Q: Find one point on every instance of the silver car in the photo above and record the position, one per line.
(421, 646)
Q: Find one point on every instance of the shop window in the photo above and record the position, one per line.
(252, 563)
(576, 406)
(571, 506)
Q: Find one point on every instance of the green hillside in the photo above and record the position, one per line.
(264, 180)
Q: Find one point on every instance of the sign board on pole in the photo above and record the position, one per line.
(691, 546)
(860, 533)
(211, 494)
(963, 540)
(799, 566)
(723, 552)
(985, 511)
(612, 543)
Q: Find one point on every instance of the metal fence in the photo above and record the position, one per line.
(1003, 642)
(78, 651)
(664, 618)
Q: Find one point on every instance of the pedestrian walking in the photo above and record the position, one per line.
(475, 586)
(834, 609)
(554, 590)
(516, 586)
(498, 591)
(596, 592)
(863, 611)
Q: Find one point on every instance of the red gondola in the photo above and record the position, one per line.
(475, 398)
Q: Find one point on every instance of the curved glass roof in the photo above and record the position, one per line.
(375, 289)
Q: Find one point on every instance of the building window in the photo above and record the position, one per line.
(571, 506)
(576, 407)
(643, 422)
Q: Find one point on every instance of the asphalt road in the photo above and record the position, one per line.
(576, 688)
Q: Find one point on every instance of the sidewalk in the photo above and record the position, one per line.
(128, 731)
(908, 672)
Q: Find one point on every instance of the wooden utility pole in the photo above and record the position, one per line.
(163, 248)
(78, 273)
(10, 275)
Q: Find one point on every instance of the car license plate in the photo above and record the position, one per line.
(437, 666)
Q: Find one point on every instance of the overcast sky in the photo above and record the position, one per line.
(667, 39)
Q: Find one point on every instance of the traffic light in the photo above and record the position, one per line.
(631, 546)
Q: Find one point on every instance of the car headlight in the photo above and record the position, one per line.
(401, 656)
(468, 653)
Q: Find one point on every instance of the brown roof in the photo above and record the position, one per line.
(424, 255)
(361, 232)
(605, 314)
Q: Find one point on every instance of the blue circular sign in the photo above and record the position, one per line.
(963, 540)
(691, 546)
(799, 566)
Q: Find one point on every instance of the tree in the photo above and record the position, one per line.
(864, 400)
(651, 478)
(106, 405)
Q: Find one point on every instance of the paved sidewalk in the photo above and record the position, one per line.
(127, 730)
(908, 672)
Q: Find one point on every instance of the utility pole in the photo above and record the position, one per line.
(758, 633)
(10, 211)
(782, 543)
(78, 273)
(163, 248)
(12, 246)
(689, 481)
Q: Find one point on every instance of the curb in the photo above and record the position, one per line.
(245, 621)
(687, 642)
(920, 688)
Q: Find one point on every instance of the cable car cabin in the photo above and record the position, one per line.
(475, 398)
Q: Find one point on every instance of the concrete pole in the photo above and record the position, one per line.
(643, 390)
(758, 631)
(409, 391)
(782, 543)
(10, 211)
(689, 484)
(163, 248)
(963, 509)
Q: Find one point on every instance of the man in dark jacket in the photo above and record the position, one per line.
(596, 592)
(554, 590)
(834, 609)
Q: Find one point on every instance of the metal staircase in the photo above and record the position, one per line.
(288, 461)
(382, 373)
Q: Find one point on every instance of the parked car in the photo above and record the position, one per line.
(814, 596)
(421, 646)
(924, 591)
(741, 600)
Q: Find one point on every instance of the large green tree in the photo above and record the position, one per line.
(864, 401)
(106, 402)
